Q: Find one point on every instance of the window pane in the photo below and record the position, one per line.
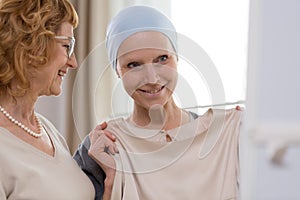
(221, 29)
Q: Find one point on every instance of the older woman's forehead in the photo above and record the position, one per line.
(66, 29)
(146, 40)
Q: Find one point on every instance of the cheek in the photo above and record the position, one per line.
(170, 74)
(172, 82)
(131, 82)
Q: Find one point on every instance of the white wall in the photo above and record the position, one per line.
(273, 103)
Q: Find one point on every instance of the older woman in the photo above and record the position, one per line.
(36, 51)
(161, 151)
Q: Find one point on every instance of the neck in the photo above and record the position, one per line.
(164, 117)
(21, 108)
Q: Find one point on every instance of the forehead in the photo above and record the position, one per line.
(145, 40)
(66, 29)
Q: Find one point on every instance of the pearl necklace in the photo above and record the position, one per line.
(25, 128)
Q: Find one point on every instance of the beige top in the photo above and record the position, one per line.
(201, 161)
(28, 173)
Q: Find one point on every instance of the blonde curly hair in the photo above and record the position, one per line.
(27, 30)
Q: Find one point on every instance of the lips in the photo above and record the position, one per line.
(61, 73)
(152, 91)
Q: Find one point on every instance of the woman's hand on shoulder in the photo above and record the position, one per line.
(101, 150)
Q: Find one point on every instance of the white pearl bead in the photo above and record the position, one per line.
(25, 128)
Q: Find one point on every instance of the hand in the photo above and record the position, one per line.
(101, 150)
(239, 108)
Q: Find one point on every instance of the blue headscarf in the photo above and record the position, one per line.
(135, 19)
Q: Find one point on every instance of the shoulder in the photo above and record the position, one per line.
(232, 114)
(46, 122)
(52, 131)
(229, 120)
(116, 121)
(116, 124)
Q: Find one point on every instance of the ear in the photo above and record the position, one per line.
(117, 72)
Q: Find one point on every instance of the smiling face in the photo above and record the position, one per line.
(48, 79)
(148, 68)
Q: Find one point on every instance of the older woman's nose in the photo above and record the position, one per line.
(72, 61)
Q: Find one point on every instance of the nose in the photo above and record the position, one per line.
(72, 61)
(150, 74)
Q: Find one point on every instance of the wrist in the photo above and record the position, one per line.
(109, 181)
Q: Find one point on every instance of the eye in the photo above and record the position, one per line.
(133, 64)
(67, 46)
(162, 59)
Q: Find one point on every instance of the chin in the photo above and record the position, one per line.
(55, 92)
(152, 105)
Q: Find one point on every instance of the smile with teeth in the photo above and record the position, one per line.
(153, 91)
(61, 73)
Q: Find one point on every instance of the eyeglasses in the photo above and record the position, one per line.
(70, 48)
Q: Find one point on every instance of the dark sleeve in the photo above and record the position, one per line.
(194, 115)
(90, 167)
